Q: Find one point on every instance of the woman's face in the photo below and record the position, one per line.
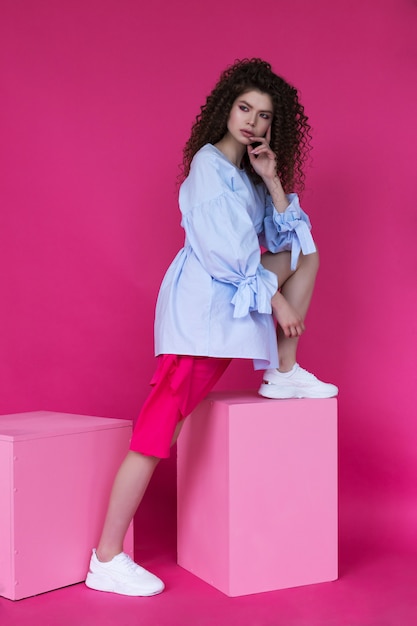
(250, 116)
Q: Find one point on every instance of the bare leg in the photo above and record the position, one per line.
(297, 288)
(128, 490)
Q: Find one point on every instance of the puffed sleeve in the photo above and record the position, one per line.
(289, 230)
(224, 240)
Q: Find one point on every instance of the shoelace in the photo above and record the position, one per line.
(307, 374)
(127, 562)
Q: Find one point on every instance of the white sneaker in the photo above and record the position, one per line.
(298, 383)
(122, 575)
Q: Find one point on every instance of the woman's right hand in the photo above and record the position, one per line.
(291, 322)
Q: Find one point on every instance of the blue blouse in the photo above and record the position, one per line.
(215, 299)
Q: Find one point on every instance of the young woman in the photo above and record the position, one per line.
(220, 295)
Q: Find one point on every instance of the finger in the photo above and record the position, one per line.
(261, 140)
(261, 146)
(268, 134)
(263, 149)
(296, 331)
(251, 155)
(286, 330)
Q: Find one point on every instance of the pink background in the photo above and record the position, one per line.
(97, 101)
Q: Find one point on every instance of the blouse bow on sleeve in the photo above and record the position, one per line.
(254, 293)
(225, 242)
(289, 230)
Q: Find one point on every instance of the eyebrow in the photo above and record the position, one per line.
(251, 107)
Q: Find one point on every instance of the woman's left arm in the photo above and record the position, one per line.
(286, 225)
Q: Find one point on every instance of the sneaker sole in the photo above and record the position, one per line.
(268, 391)
(99, 584)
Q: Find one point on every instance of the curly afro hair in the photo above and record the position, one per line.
(290, 131)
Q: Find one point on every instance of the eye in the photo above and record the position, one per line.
(265, 116)
(244, 108)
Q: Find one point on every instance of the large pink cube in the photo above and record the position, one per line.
(257, 492)
(56, 472)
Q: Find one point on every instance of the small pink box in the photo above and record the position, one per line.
(56, 472)
(257, 492)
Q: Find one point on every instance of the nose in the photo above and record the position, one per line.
(252, 121)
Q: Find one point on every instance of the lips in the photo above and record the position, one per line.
(247, 133)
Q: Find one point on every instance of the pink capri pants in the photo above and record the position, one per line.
(179, 384)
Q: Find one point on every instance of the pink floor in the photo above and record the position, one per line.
(374, 590)
(377, 584)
